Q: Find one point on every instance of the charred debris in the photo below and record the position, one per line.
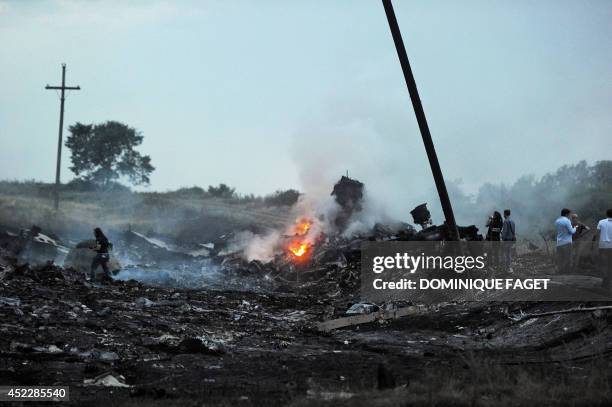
(218, 327)
(325, 251)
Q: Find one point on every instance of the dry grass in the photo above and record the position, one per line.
(488, 383)
(179, 217)
(478, 383)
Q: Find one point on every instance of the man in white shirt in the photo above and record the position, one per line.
(565, 230)
(604, 228)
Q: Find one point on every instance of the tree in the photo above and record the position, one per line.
(282, 198)
(103, 153)
(222, 191)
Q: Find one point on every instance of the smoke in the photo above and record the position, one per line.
(182, 277)
(380, 155)
(258, 247)
(347, 144)
(373, 212)
(377, 143)
(322, 153)
(312, 218)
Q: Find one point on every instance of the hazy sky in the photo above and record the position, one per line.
(274, 94)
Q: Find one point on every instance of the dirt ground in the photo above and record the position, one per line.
(122, 343)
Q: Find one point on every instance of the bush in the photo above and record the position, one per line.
(193, 191)
(82, 185)
(282, 198)
(222, 191)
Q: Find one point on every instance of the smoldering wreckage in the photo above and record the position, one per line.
(222, 321)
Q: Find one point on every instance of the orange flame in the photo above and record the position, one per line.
(299, 249)
(302, 227)
(301, 243)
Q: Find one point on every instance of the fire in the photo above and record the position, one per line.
(305, 227)
(299, 249)
(302, 235)
(302, 227)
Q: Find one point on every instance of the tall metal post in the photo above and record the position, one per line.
(421, 119)
(62, 88)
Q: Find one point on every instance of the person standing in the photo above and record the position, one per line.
(102, 256)
(508, 236)
(565, 231)
(495, 224)
(604, 228)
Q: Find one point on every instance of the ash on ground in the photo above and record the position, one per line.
(201, 325)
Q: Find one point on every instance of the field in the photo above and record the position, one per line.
(183, 217)
(253, 336)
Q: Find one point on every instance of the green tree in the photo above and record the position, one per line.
(222, 191)
(104, 153)
(283, 198)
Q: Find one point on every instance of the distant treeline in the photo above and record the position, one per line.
(222, 191)
(537, 202)
(78, 186)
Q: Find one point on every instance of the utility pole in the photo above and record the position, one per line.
(62, 88)
(422, 120)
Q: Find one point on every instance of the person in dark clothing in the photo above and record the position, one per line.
(495, 224)
(102, 256)
(508, 235)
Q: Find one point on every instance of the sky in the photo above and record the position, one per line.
(265, 95)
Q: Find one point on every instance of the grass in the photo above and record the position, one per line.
(480, 382)
(184, 217)
(487, 382)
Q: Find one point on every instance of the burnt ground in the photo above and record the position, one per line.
(122, 343)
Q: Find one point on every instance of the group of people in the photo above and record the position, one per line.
(502, 229)
(569, 228)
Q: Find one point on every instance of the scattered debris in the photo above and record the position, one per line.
(523, 317)
(145, 302)
(107, 380)
(362, 309)
(329, 325)
(176, 317)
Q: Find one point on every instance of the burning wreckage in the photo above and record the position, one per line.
(315, 246)
(221, 326)
(318, 245)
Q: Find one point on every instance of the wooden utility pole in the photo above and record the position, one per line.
(62, 88)
(421, 119)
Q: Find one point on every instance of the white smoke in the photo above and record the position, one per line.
(374, 211)
(312, 217)
(262, 248)
(323, 153)
(372, 147)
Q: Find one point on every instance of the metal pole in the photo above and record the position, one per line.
(59, 140)
(421, 119)
(63, 89)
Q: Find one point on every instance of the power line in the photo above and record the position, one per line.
(62, 88)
